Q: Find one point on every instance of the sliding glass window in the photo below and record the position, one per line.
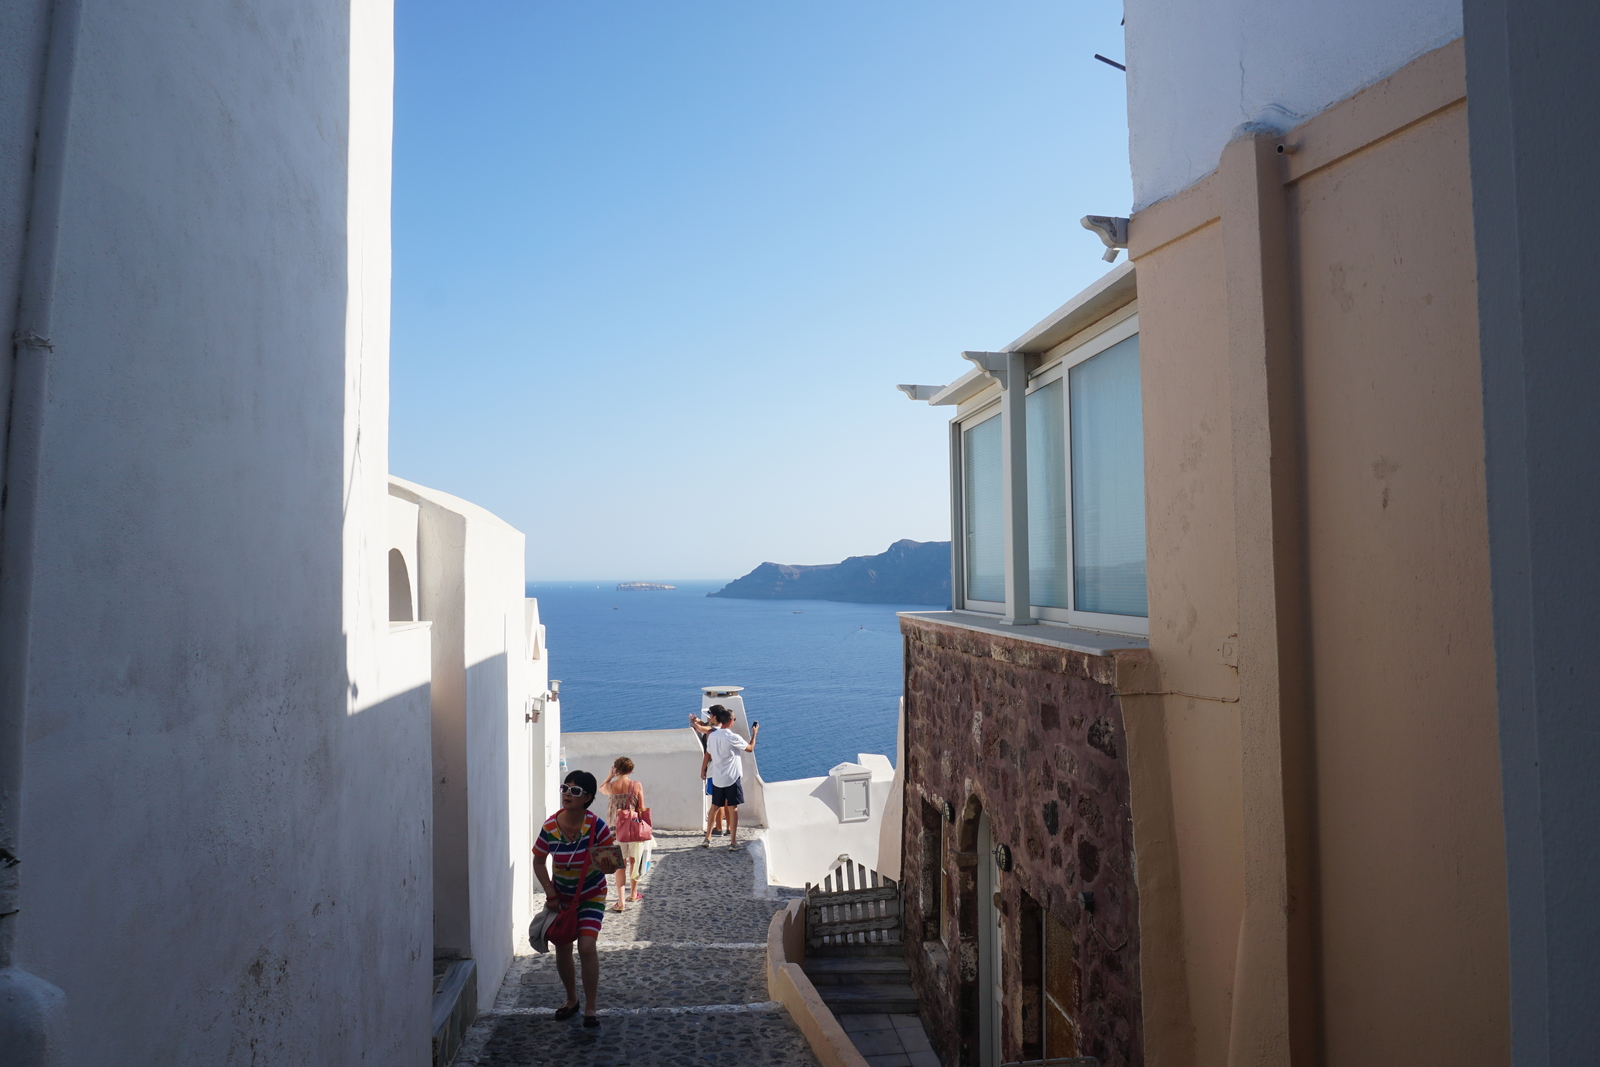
(983, 511)
(1108, 483)
(1086, 535)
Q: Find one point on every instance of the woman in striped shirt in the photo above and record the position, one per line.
(567, 839)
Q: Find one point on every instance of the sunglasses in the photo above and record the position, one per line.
(574, 791)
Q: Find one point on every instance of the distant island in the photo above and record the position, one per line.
(910, 572)
(634, 587)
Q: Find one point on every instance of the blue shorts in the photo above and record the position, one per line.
(727, 796)
(708, 787)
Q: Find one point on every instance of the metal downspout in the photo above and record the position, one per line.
(33, 1013)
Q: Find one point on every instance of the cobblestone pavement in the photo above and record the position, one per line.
(682, 978)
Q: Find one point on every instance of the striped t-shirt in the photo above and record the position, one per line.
(567, 857)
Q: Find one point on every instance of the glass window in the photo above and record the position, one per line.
(1047, 497)
(1108, 482)
(984, 514)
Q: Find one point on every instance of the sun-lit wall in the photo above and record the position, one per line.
(226, 843)
(1198, 70)
(1325, 732)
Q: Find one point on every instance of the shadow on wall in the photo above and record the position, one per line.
(335, 852)
(827, 791)
(389, 844)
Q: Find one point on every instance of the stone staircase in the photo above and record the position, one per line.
(853, 959)
(872, 983)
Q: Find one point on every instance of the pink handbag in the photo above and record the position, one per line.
(633, 822)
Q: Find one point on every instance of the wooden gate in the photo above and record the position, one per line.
(852, 906)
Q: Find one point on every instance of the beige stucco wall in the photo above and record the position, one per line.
(1402, 895)
(1193, 611)
(1407, 763)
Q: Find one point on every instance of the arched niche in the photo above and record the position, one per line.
(400, 606)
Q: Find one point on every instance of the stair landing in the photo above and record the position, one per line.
(868, 989)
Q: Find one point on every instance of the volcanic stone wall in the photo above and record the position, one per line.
(1033, 736)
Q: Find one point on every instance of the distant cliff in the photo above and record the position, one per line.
(910, 572)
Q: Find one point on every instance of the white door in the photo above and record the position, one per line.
(990, 1012)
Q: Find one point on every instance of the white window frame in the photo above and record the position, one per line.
(1053, 366)
(988, 409)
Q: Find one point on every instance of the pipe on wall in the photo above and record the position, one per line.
(33, 1013)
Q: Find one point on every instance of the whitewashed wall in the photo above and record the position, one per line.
(805, 836)
(227, 853)
(471, 588)
(1198, 70)
(666, 764)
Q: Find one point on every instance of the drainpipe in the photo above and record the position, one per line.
(1010, 369)
(33, 1013)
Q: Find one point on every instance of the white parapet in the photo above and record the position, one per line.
(665, 762)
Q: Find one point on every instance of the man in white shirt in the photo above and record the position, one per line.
(726, 769)
(702, 729)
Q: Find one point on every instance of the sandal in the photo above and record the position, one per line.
(617, 907)
(566, 1013)
(590, 1020)
(636, 898)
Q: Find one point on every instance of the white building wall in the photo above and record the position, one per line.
(1197, 70)
(226, 832)
(472, 589)
(805, 837)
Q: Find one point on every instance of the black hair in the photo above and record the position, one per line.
(721, 714)
(585, 781)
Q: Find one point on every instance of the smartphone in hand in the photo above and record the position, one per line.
(755, 726)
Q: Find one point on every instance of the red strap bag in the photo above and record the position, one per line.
(563, 930)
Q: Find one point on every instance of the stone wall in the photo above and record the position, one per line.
(1032, 735)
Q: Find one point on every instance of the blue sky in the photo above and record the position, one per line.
(658, 267)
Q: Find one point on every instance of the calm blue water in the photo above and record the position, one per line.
(822, 678)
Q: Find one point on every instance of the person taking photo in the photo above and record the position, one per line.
(725, 769)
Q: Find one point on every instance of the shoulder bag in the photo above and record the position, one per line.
(633, 822)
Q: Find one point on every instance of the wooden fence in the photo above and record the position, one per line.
(852, 906)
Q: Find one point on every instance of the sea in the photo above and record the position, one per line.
(822, 678)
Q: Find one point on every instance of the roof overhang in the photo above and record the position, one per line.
(1114, 289)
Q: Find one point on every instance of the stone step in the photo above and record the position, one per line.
(876, 948)
(883, 999)
(859, 970)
